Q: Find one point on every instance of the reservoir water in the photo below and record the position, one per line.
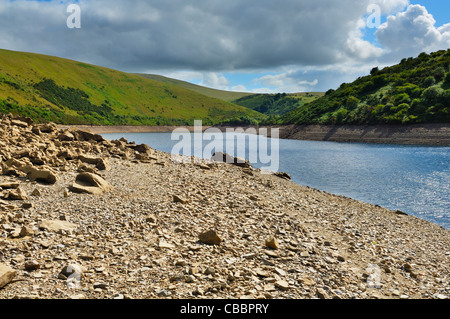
(413, 179)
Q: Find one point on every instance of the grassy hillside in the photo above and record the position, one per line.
(277, 104)
(218, 94)
(272, 105)
(414, 91)
(48, 88)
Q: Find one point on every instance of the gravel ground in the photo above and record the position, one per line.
(194, 230)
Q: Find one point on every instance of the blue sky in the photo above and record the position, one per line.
(440, 9)
(251, 80)
(274, 46)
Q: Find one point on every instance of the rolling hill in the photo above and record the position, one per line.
(228, 96)
(277, 104)
(47, 88)
(268, 104)
(415, 91)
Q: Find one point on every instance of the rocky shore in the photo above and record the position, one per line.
(126, 128)
(82, 217)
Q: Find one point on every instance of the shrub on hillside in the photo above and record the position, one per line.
(430, 95)
(402, 98)
(439, 73)
(429, 81)
(352, 102)
(447, 79)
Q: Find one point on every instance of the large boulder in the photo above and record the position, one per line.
(66, 136)
(81, 135)
(90, 183)
(7, 275)
(19, 123)
(210, 238)
(100, 163)
(283, 175)
(9, 185)
(43, 175)
(25, 119)
(103, 165)
(67, 154)
(57, 226)
(45, 128)
(141, 148)
(89, 159)
(12, 166)
(226, 158)
(16, 194)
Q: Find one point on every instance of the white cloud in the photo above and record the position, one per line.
(411, 32)
(263, 90)
(362, 49)
(188, 76)
(201, 35)
(391, 6)
(214, 80)
(239, 88)
(445, 33)
(289, 82)
(304, 45)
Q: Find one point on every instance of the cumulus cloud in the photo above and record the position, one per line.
(291, 81)
(360, 48)
(311, 79)
(214, 80)
(201, 40)
(411, 32)
(207, 35)
(188, 76)
(391, 6)
(239, 88)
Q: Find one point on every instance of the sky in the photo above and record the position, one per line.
(262, 46)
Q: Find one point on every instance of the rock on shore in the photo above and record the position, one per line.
(234, 233)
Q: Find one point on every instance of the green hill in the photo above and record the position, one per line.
(415, 91)
(47, 88)
(277, 104)
(269, 104)
(228, 96)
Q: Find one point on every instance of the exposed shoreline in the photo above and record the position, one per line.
(420, 134)
(137, 229)
(101, 129)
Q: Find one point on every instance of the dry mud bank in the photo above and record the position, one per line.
(426, 134)
(423, 134)
(158, 229)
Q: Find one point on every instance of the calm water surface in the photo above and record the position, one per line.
(413, 179)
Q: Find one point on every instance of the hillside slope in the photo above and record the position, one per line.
(414, 91)
(265, 103)
(228, 96)
(277, 104)
(48, 88)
